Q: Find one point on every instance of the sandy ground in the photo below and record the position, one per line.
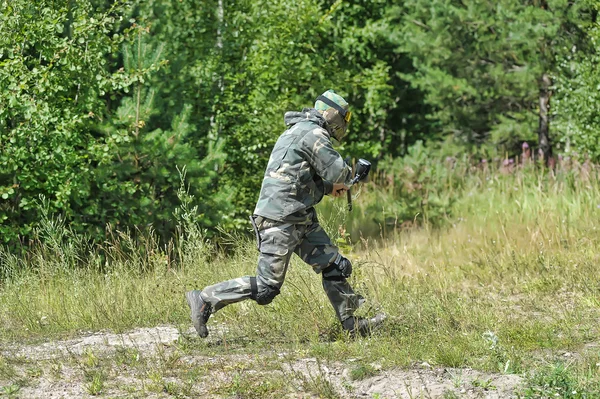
(60, 369)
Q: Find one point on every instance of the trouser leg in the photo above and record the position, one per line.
(277, 241)
(227, 292)
(317, 250)
(342, 297)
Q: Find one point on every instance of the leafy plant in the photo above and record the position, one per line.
(555, 380)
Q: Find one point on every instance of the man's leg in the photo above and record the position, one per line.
(277, 241)
(317, 250)
(227, 292)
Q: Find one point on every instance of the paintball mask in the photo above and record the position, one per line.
(335, 112)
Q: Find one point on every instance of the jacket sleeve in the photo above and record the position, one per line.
(326, 161)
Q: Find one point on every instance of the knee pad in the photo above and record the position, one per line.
(339, 270)
(263, 294)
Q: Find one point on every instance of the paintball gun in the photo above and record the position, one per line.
(362, 171)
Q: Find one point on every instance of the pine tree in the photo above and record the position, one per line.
(485, 66)
(138, 178)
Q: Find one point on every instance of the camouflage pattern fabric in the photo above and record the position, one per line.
(278, 240)
(303, 167)
(333, 96)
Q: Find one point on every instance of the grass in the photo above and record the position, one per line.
(507, 284)
(362, 371)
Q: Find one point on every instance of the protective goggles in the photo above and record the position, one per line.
(344, 112)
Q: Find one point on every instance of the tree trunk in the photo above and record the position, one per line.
(545, 146)
(220, 79)
(220, 17)
(382, 137)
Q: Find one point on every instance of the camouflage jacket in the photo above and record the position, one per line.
(302, 168)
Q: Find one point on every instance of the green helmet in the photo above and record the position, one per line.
(335, 111)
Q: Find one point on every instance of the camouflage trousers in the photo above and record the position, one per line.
(277, 242)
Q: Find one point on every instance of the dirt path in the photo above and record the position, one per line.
(160, 362)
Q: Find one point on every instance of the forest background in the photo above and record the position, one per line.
(108, 107)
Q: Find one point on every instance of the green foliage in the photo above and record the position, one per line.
(103, 103)
(479, 63)
(558, 380)
(423, 183)
(79, 125)
(140, 159)
(430, 189)
(390, 113)
(52, 78)
(577, 81)
(415, 190)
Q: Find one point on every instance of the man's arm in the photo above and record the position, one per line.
(326, 161)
